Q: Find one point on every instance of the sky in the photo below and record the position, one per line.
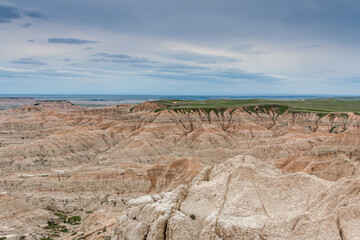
(183, 47)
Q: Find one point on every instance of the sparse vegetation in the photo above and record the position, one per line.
(332, 129)
(74, 220)
(2, 238)
(192, 216)
(319, 106)
(61, 216)
(56, 228)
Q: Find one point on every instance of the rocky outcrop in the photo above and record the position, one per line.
(245, 198)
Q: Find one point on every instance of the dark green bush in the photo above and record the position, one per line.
(74, 220)
(61, 216)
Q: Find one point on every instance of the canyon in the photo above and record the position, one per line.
(150, 172)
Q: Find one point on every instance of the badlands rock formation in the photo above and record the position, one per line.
(18, 217)
(245, 198)
(90, 163)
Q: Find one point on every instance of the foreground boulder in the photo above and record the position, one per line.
(245, 198)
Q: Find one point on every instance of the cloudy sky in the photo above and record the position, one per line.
(206, 47)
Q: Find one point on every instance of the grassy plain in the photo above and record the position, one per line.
(315, 105)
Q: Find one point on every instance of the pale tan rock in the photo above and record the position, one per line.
(245, 198)
(18, 218)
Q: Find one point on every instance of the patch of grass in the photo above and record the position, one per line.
(332, 129)
(344, 115)
(44, 175)
(280, 109)
(54, 226)
(321, 115)
(319, 106)
(198, 110)
(45, 239)
(2, 238)
(61, 216)
(74, 220)
(192, 216)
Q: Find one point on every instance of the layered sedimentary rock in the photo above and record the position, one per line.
(91, 162)
(36, 141)
(245, 198)
(90, 188)
(338, 156)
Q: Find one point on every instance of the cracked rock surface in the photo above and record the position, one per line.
(245, 198)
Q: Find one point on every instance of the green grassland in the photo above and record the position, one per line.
(324, 106)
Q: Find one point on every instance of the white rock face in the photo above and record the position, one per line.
(245, 198)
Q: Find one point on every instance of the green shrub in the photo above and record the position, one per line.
(61, 216)
(332, 130)
(74, 220)
(2, 238)
(54, 226)
(192, 216)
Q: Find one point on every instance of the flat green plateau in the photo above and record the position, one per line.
(328, 105)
